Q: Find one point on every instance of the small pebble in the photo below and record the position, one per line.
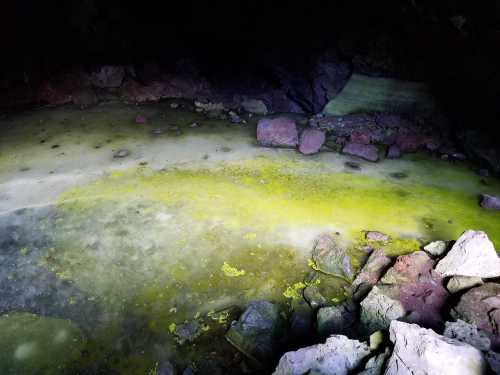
(156, 131)
(352, 165)
(194, 125)
(174, 105)
(123, 153)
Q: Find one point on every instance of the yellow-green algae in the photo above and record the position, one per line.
(154, 243)
(33, 344)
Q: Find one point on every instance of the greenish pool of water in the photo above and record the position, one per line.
(192, 224)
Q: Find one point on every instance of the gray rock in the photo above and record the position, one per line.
(367, 152)
(493, 360)
(123, 153)
(258, 331)
(459, 283)
(330, 258)
(376, 265)
(472, 255)
(490, 202)
(436, 248)
(422, 351)
(337, 320)
(376, 236)
(255, 106)
(375, 365)
(165, 368)
(311, 141)
(337, 356)
(278, 132)
(481, 306)
(380, 307)
(467, 333)
(187, 332)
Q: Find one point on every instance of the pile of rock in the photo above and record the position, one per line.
(398, 316)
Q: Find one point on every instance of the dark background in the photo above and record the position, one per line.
(248, 38)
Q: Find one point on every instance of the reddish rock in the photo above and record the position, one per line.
(311, 141)
(424, 302)
(481, 306)
(367, 152)
(108, 76)
(490, 202)
(53, 94)
(393, 152)
(277, 132)
(411, 268)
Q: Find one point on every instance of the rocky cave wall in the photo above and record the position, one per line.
(257, 48)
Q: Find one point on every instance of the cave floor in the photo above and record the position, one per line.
(104, 257)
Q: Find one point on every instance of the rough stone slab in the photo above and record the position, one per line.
(364, 94)
(372, 271)
(422, 351)
(255, 106)
(367, 152)
(337, 319)
(467, 333)
(436, 248)
(278, 132)
(458, 283)
(472, 255)
(337, 356)
(330, 258)
(481, 306)
(380, 307)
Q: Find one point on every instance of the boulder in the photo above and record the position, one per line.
(472, 255)
(380, 307)
(255, 106)
(370, 274)
(367, 152)
(330, 258)
(337, 356)
(340, 319)
(436, 248)
(422, 351)
(458, 283)
(490, 202)
(108, 76)
(311, 141)
(277, 132)
(481, 306)
(258, 331)
(364, 94)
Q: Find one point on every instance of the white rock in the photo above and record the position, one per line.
(420, 351)
(380, 307)
(337, 356)
(459, 283)
(436, 248)
(472, 255)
